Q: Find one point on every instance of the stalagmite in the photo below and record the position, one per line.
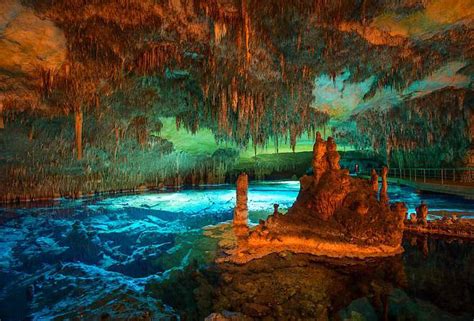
(241, 209)
(374, 180)
(275, 210)
(332, 154)
(422, 214)
(319, 151)
(383, 191)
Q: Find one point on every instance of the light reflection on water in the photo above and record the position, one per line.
(262, 196)
(110, 246)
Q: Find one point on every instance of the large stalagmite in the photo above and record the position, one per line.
(241, 209)
(334, 215)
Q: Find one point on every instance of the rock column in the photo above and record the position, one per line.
(241, 209)
(383, 192)
(374, 181)
(319, 164)
(332, 154)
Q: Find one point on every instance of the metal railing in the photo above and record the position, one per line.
(431, 175)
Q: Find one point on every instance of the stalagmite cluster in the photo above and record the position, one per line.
(449, 225)
(334, 215)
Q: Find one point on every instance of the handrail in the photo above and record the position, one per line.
(443, 175)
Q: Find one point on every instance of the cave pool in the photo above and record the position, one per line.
(101, 257)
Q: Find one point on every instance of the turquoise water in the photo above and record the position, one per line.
(94, 257)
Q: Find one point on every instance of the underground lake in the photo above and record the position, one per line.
(237, 160)
(148, 255)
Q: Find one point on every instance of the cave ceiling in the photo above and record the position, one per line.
(246, 69)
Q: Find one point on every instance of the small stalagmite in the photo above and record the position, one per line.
(374, 180)
(319, 152)
(422, 213)
(241, 209)
(275, 210)
(384, 189)
(332, 155)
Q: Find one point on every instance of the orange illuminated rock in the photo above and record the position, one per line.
(29, 45)
(422, 213)
(319, 163)
(241, 210)
(374, 180)
(334, 215)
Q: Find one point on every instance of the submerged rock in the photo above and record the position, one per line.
(227, 316)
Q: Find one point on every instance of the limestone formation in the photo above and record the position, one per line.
(422, 213)
(319, 165)
(383, 191)
(334, 215)
(400, 210)
(241, 209)
(449, 225)
(332, 154)
(28, 45)
(275, 210)
(374, 180)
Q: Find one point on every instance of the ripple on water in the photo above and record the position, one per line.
(92, 254)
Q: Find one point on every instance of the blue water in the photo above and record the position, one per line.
(60, 258)
(262, 196)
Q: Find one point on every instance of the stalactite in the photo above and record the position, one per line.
(78, 125)
(2, 122)
(247, 31)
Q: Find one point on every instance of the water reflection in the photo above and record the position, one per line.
(146, 255)
(419, 285)
(302, 287)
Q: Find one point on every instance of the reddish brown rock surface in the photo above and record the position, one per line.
(374, 180)
(241, 209)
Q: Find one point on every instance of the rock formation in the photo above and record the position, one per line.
(449, 225)
(422, 213)
(319, 151)
(275, 210)
(334, 215)
(383, 191)
(374, 180)
(241, 209)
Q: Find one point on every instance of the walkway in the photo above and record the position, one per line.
(455, 181)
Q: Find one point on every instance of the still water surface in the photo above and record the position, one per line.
(146, 255)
